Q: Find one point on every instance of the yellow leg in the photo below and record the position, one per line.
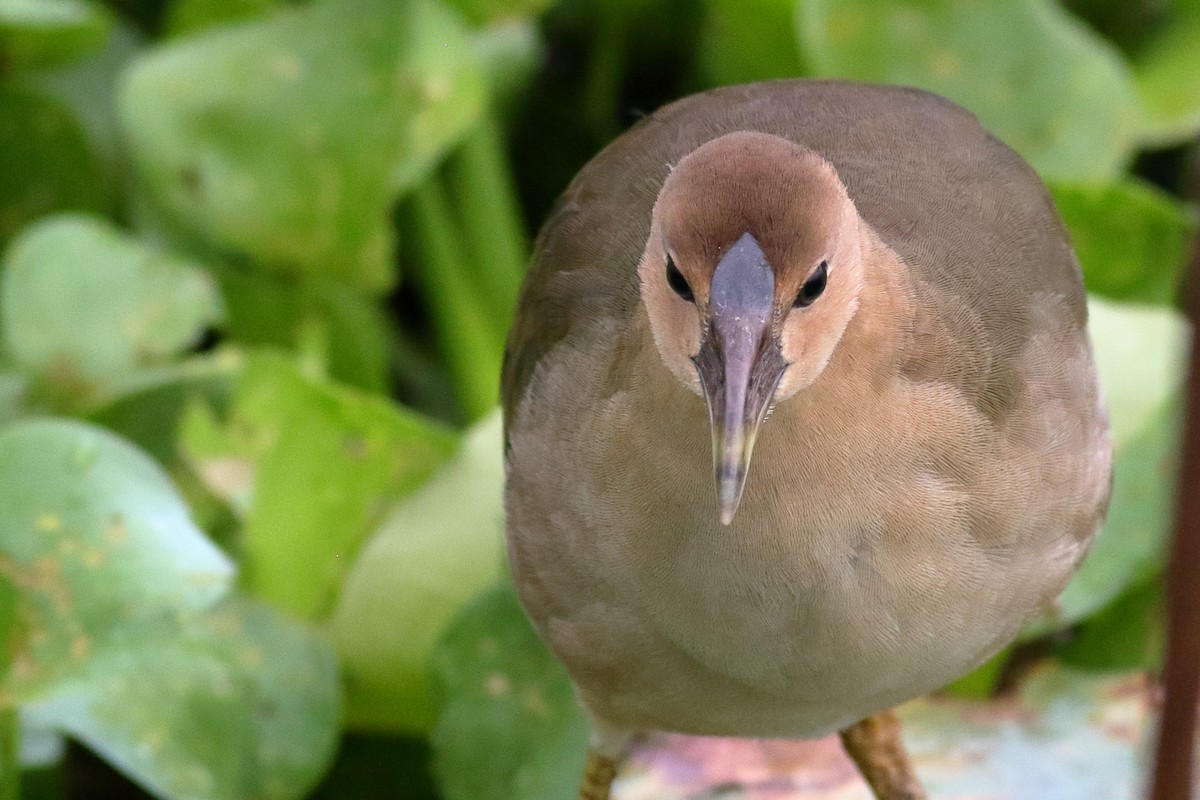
(597, 777)
(876, 747)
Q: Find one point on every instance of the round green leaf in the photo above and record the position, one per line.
(1165, 72)
(93, 539)
(510, 727)
(1131, 239)
(289, 138)
(83, 304)
(324, 465)
(238, 703)
(1034, 76)
(46, 161)
(440, 547)
(1140, 355)
(45, 32)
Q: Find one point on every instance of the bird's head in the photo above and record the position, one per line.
(750, 275)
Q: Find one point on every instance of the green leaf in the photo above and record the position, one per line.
(325, 463)
(1131, 239)
(510, 728)
(439, 547)
(186, 17)
(748, 40)
(485, 12)
(45, 32)
(147, 408)
(93, 539)
(1140, 355)
(289, 138)
(46, 160)
(1034, 76)
(238, 703)
(354, 333)
(511, 53)
(1164, 71)
(1127, 635)
(83, 304)
(13, 387)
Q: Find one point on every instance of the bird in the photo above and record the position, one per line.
(801, 418)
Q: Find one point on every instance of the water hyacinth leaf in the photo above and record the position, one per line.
(510, 52)
(510, 727)
(40, 33)
(288, 138)
(748, 40)
(13, 386)
(1129, 634)
(1164, 71)
(1131, 239)
(186, 17)
(83, 304)
(325, 464)
(433, 554)
(486, 12)
(93, 539)
(1035, 77)
(147, 408)
(46, 160)
(1140, 355)
(239, 703)
(354, 333)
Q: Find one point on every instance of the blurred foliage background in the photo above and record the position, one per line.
(258, 261)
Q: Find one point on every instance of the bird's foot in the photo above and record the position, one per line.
(597, 777)
(874, 744)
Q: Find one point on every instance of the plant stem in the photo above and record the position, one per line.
(481, 186)
(10, 755)
(471, 347)
(606, 69)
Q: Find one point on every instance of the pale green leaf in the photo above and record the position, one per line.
(45, 32)
(438, 548)
(237, 703)
(1132, 239)
(322, 463)
(289, 138)
(510, 727)
(83, 304)
(1036, 77)
(93, 539)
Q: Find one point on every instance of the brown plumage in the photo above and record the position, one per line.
(937, 460)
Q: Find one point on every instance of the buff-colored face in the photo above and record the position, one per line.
(750, 275)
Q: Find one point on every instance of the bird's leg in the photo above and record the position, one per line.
(597, 777)
(874, 744)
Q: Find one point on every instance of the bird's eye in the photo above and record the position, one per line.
(677, 282)
(812, 287)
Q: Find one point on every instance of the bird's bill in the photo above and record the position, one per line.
(739, 365)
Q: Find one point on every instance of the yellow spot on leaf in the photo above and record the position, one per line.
(49, 523)
(115, 532)
(93, 557)
(534, 702)
(497, 685)
(80, 647)
(252, 657)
